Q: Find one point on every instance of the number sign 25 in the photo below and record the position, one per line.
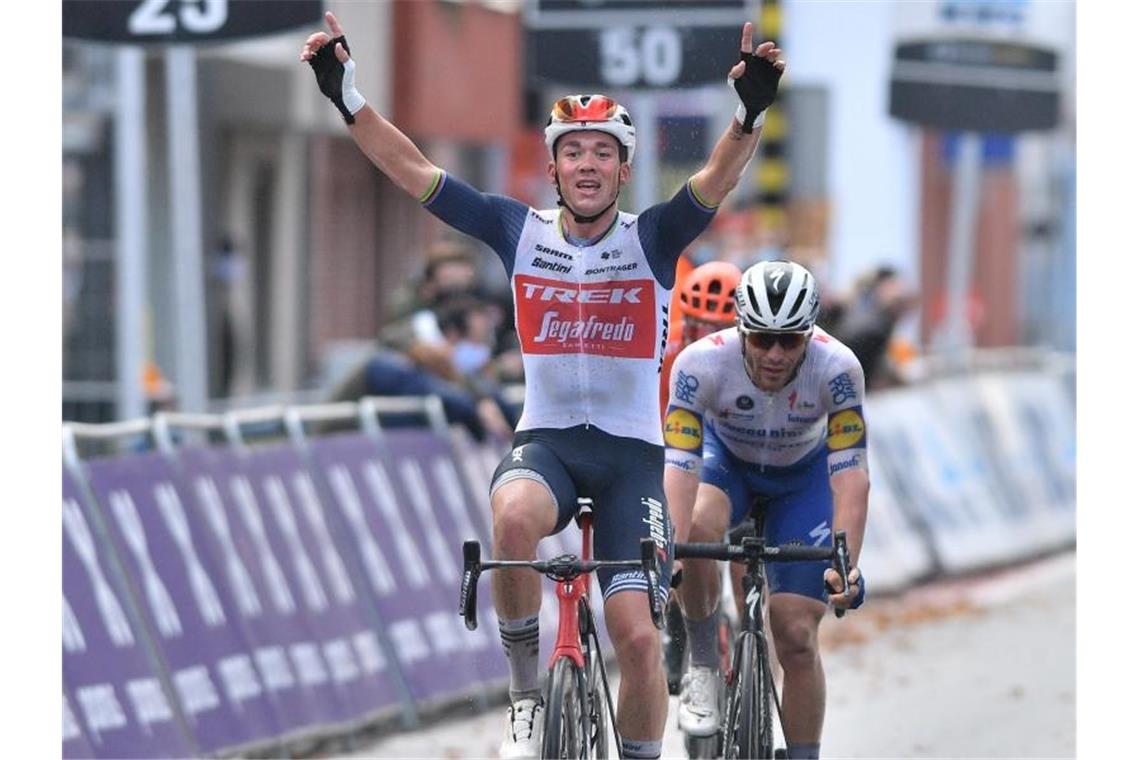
(164, 16)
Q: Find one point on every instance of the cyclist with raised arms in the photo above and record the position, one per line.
(591, 287)
(772, 407)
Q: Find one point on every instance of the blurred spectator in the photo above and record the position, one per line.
(446, 349)
(449, 267)
(228, 270)
(865, 324)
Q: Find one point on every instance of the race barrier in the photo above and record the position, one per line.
(246, 584)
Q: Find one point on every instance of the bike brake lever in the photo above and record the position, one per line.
(843, 566)
(652, 575)
(472, 566)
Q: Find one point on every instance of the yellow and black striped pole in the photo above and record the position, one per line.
(771, 176)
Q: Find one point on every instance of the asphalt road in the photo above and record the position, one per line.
(979, 668)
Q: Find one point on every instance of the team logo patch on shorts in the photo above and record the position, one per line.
(683, 430)
(845, 429)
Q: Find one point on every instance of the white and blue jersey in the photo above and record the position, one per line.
(784, 445)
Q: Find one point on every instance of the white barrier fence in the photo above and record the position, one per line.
(969, 472)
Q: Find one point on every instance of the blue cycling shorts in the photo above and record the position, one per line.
(624, 478)
(799, 508)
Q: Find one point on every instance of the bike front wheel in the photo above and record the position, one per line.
(562, 736)
(749, 727)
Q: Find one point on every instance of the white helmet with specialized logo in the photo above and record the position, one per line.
(579, 113)
(776, 296)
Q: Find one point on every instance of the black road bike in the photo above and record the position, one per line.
(747, 725)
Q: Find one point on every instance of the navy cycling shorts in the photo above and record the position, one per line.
(799, 509)
(623, 477)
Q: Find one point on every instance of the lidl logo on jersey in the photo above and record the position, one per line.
(608, 319)
(683, 430)
(845, 429)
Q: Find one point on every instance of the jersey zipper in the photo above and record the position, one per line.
(769, 400)
(583, 375)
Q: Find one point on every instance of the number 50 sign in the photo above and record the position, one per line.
(155, 21)
(633, 43)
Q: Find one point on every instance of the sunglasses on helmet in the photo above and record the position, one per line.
(789, 341)
(596, 108)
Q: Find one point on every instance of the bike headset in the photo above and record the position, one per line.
(707, 294)
(597, 113)
(776, 297)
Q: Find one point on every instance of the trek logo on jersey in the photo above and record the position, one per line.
(683, 430)
(608, 318)
(845, 429)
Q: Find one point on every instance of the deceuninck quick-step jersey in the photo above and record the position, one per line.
(822, 406)
(591, 318)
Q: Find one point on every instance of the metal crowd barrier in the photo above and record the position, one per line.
(246, 582)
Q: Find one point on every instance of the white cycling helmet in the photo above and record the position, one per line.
(776, 296)
(578, 113)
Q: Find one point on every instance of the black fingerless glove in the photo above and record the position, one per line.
(756, 88)
(336, 79)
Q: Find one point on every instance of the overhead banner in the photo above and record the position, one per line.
(185, 21)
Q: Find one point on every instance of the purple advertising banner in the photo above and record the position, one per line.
(114, 702)
(413, 570)
(342, 621)
(267, 602)
(75, 741)
(179, 584)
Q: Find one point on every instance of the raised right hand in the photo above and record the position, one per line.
(334, 69)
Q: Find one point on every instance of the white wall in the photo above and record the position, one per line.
(846, 47)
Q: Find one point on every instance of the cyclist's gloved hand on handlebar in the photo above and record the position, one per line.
(834, 585)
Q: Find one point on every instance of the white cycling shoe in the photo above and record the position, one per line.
(699, 713)
(522, 738)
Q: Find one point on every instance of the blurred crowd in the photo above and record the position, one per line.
(447, 335)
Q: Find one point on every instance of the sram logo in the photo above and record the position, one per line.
(606, 318)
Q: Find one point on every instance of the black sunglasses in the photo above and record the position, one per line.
(789, 341)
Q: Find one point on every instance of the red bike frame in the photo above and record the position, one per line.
(568, 643)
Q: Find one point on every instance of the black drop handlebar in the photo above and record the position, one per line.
(563, 568)
(752, 548)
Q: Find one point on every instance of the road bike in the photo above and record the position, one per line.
(578, 701)
(746, 729)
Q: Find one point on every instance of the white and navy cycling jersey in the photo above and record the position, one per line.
(591, 316)
(821, 407)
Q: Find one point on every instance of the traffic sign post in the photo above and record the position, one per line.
(973, 86)
(175, 26)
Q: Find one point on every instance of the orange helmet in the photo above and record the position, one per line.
(708, 293)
